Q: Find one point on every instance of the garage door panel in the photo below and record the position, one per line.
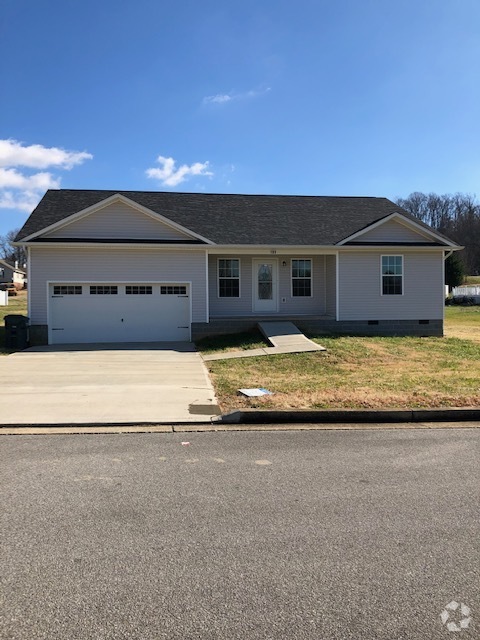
(121, 317)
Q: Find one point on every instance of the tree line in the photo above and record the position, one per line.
(455, 215)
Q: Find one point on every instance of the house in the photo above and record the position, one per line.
(135, 266)
(12, 273)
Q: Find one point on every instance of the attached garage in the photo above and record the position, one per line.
(94, 312)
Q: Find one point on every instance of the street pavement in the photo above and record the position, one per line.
(271, 535)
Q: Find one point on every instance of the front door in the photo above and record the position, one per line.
(265, 298)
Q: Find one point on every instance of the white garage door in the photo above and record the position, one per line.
(118, 312)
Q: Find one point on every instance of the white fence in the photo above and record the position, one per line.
(466, 291)
(3, 298)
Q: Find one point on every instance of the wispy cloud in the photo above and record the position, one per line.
(21, 190)
(21, 200)
(223, 98)
(169, 175)
(220, 98)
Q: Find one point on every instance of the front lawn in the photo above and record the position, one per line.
(462, 322)
(363, 373)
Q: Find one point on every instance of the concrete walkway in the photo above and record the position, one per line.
(284, 336)
(106, 384)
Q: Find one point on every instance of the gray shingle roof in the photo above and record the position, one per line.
(234, 219)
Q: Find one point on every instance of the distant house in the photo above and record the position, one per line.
(12, 273)
(135, 266)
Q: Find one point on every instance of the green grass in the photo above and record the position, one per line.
(17, 305)
(473, 280)
(232, 342)
(370, 372)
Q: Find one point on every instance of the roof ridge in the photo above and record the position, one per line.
(212, 193)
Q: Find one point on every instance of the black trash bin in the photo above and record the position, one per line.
(16, 332)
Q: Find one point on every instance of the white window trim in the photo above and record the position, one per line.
(68, 294)
(150, 293)
(392, 255)
(117, 292)
(291, 278)
(219, 297)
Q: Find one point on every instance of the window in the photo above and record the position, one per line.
(103, 290)
(173, 290)
(138, 289)
(392, 275)
(67, 290)
(228, 278)
(302, 278)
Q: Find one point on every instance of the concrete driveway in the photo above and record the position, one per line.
(106, 384)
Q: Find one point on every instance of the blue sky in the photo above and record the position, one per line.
(370, 97)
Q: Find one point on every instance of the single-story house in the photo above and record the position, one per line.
(136, 266)
(12, 273)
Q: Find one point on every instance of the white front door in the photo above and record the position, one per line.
(265, 294)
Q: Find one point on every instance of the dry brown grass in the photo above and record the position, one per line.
(463, 322)
(364, 372)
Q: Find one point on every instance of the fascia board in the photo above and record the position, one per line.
(271, 249)
(126, 245)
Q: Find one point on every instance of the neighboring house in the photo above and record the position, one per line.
(12, 273)
(130, 266)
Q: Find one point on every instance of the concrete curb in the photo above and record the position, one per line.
(266, 416)
(158, 425)
(238, 428)
(267, 420)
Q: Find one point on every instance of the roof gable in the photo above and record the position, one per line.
(117, 218)
(395, 229)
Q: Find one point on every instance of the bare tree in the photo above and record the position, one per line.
(455, 215)
(10, 253)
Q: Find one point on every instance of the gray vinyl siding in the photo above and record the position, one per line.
(360, 287)
(118, 220)
(115, 265)
(392, 231)
(331, 288)
(6, 274)
(243, 306)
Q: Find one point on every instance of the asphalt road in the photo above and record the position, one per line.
(322, 534)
